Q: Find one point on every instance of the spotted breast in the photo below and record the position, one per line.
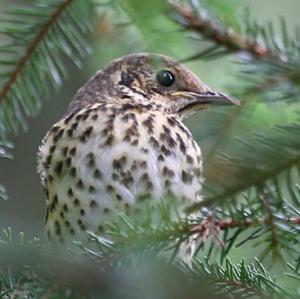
(106, 159)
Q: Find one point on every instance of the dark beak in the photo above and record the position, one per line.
(212, 98)
(199, 101)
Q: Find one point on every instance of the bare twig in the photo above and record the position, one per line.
(225, 224)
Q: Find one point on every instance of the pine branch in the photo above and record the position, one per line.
(38, 37)
(32, 271)
(277, 230)
(33, 47)
(244, 281)
(220, 35)
(225, 224)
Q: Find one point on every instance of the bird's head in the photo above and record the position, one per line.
(156, 81)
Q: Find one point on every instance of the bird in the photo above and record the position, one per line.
(122, 143)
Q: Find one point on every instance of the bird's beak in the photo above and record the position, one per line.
(197, 101)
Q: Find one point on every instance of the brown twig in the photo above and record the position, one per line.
(203, 229)
(32, 48)
(227, 38)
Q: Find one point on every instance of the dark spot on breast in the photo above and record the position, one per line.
(189, 159)
(79, 184)
(127, 181)
(81, 225)
(135, 142)
(106, 210)
(68, 162)
(167, 183)
(73, 172)
(110, 189)
(145, 150)
(57, 227)
(97, 174)
(72, 151)
(109, 141)
(92, 189)
(91, 160)
(76, 202)
(54, 128)
(55, 199)
(93, 204)
(167, 131)
(171, 121)
(86, 115)
(168, 172)
(78, 117)
(58, 167)
(52, 149)
(125, 118)
(144, 177)
(94, 116)
(154, 142)
(134, 165)
(181, 143)
(149, 124)
(143, 164)
(161, 158)
(149, 186)
(65, 207)
(186, 178)
(165, 151)
(64, 151)
(48, 161)
(58, 135)
(70, 192)
(86, 134)
(69, 133)
(117, 164)
(115, 177)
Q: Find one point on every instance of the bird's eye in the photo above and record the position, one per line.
(165, 78)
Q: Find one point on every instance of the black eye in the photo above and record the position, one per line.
(165, 78)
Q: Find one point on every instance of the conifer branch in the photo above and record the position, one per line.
(221, 35)
(38, 38)
(224, 224)
(32, 47)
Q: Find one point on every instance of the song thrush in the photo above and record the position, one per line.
(121, 143)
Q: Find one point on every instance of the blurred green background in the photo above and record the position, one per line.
(25, 209)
